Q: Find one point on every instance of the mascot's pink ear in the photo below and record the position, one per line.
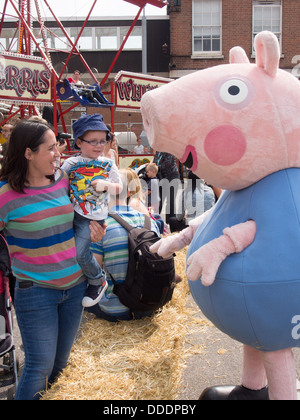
(238, 55)
(267, 52)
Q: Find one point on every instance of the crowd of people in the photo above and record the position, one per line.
(63, 244)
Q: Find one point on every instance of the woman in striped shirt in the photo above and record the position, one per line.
(36, 217)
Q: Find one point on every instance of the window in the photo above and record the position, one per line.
(58, 39)
(112, 38)
(267, 16)
(2, 44)
(85, 41)
(207, 27)
(107, 38)
(38, 36)
(9, 40)
(92, 38)
(134, 42)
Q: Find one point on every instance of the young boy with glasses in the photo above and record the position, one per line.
(92, 178)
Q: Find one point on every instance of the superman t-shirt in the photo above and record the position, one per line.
(85, 199)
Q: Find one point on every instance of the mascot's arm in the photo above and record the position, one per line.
(206, 260)
(167, 246)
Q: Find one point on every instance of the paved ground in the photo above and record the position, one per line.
(219, 363)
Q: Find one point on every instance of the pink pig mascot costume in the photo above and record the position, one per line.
(238, 127)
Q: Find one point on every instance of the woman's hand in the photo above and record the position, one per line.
(97, 231)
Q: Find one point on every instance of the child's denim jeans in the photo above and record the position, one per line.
(85, 257)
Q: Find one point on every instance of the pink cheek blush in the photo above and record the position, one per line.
(225, 145)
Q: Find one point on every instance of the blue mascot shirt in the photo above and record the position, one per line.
(256, 294)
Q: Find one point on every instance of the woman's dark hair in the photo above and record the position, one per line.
(26, 134)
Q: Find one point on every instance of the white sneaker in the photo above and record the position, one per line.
(94, 294)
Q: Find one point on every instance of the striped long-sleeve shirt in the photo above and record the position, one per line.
(38, 227)
(114, 250)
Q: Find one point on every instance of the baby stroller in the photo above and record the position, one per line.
(8, 367)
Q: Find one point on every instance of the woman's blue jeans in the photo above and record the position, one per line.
(48, 320)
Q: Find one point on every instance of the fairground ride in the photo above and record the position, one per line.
(29, 81)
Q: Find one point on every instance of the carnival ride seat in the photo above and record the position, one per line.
(87, 96)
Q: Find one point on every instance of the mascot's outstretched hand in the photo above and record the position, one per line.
(167, 246)
(206, 261)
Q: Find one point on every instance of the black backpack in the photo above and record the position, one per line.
(150, 279)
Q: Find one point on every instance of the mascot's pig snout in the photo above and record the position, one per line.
(166, 126)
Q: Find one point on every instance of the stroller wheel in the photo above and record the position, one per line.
(11, 393)
(9, 369)
(7, 379)
(5, 345)
(9, 361)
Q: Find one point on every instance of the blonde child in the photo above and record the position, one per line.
(153, 187)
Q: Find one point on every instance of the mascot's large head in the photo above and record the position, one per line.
(231, 124)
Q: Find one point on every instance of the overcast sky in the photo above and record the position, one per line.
(80, 8)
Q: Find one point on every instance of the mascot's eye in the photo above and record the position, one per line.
(234, 93)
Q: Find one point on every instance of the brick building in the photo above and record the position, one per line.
(203, 31)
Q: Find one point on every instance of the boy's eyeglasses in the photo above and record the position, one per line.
(94, 142)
